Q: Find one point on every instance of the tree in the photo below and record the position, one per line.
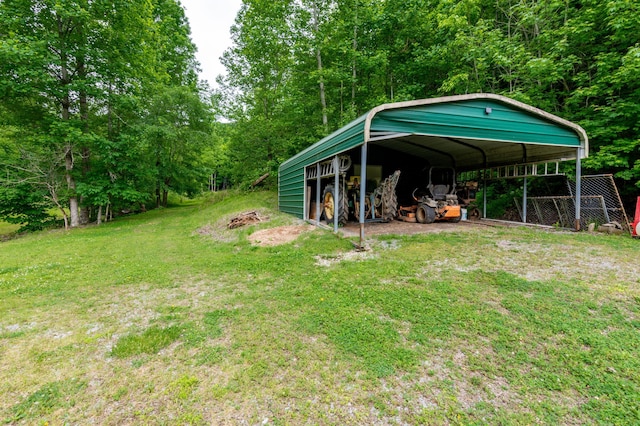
(300, 69)
(176, 129)
(84, 78)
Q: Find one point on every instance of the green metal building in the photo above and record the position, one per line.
(477, 132)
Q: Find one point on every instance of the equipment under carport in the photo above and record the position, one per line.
(474, 133)
(380, 205)
(441, 201)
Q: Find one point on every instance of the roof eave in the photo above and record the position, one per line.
(582, 134)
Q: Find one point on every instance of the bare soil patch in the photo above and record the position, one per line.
(399, 227)
(327, 261)
(279, 235)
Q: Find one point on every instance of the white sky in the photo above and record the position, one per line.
(210, 21)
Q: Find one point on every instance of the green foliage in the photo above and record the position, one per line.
(579, 61)
(81, 101)
(82, 106)
(176, 129)
(500, 197)
(21, 205)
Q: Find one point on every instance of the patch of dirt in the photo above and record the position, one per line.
(398, 227)
(278, 235)
(327, 261)
(221, 230)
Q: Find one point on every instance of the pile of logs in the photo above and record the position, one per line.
(246, 218)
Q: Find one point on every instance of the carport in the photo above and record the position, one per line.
(485, 133)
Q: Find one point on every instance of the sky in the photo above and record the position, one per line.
(210, 21)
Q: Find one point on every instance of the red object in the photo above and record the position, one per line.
(635, 227)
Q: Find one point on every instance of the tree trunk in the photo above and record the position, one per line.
(323, 101)
(51, 187)
(71, 186)
(65, 218)
(86, 152)
(68, 149)
(353, 63)
(99, 221)
(84, 210)
(165, 198)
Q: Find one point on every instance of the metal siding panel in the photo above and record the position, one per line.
(343, 139)
(291, 180)
(291, 193)
(291, 187)
(291, 172)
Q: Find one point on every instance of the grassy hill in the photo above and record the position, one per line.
(170, 318)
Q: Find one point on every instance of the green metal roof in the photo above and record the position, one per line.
(468, 132)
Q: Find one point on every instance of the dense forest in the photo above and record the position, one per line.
(101, 109)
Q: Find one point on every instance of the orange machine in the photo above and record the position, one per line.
(441, 202)
(635, 227)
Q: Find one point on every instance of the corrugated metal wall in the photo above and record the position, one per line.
(291, 172)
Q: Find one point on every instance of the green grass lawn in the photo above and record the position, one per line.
(170, 318)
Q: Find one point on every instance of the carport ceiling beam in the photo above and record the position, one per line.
(475, 148)
(381, 136)
(417, 145)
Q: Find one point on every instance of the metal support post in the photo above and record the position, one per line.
(524, 202)
(363, 189)
(484, 194)
(578, 188)
(336, 193)
(318, 193)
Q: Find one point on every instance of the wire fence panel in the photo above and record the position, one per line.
(605, 186)
(561, 210)
(600, 203)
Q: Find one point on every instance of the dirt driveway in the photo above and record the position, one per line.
(407, 228)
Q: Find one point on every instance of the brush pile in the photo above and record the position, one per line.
(246, 218)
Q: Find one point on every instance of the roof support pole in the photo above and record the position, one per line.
(524, 191)
(484, 193)
(318, 195)
(363, 189)
(524, 201)
(336, 193)
(578, 187)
